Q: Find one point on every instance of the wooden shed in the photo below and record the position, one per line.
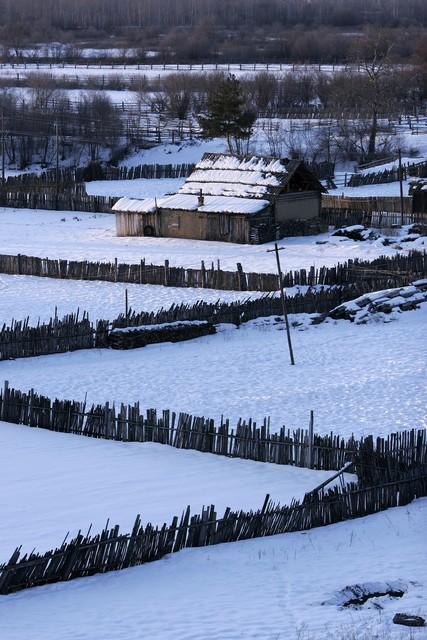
(247, 199)
(418, 191)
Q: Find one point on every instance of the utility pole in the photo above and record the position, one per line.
(3, 176)
(402, 218)
(57, 164)
(283, 299)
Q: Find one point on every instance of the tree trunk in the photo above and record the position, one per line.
(373, 134)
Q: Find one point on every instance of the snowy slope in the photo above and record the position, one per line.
(265, 589)
(61, 482)
(362, 379)
(22, 296)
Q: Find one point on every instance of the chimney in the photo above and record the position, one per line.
(200, 199)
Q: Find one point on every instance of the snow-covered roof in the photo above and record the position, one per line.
(148, 205)
(186, 202)
(231, 184)
(219, 174)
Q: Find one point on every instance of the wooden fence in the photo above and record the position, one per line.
(65, 200)
(19, 340)
(377, 219)
(110, 550)
(402, 456)
(380, 273)
(69, 177)
(371, 211)
(413, 169)
(368, 204)
(130, 423)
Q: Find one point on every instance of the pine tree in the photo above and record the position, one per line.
(227, 115)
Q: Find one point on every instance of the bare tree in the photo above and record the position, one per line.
(375, 61)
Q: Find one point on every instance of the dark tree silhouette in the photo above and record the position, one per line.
(227, 115)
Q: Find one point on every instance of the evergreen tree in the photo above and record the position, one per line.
(227, 115)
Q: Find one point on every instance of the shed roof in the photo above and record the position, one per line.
(188, 202)
(229, 184)
(221, 174)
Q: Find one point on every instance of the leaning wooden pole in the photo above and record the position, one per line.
(284, 305)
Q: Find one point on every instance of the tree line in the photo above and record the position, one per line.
(190, 30)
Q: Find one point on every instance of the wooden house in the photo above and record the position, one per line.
(247, 199)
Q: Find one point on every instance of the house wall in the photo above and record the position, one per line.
(302, 205)
(227, 227)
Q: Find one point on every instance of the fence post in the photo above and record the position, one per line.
(3, 404)
(166, 273)
(310, 440)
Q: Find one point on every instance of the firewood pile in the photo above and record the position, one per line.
(134, 337)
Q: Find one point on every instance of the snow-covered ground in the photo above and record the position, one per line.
(357, 379)
(139, 188)
(380, 190)
(61, 483)
(266, 589)
(184, 152)
(86, 236)
(153, 71)
(22, 296)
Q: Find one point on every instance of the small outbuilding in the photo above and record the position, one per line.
(418, 191)
(249, 199)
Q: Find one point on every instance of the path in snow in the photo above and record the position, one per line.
(362, 379)
(265, 589)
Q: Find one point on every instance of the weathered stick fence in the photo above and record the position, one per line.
(65, 200)
(412, 169)
(380, 273)
(69, 177)
(130, 423)
(111, 551)
(20, 340)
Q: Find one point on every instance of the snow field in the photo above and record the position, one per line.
(86, 236)
(269, 588)
(368, 379)
(63, 482)
(22, 296)
(139, 188)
